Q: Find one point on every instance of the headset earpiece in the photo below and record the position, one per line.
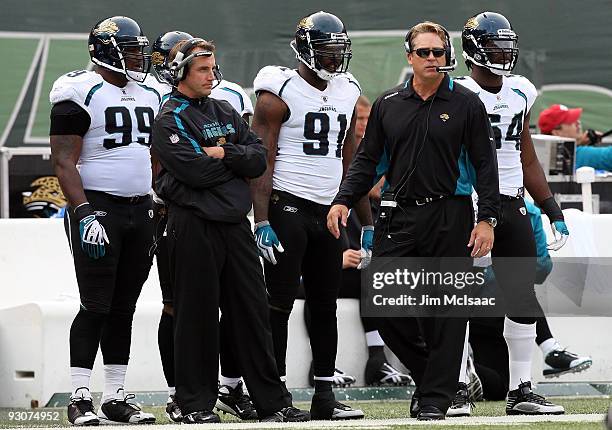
(180, 63)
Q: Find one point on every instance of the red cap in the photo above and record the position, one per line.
(556, 115)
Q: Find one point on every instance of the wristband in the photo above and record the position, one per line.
(552, 210)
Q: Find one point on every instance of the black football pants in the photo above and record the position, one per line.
(309, 250)
(110, 286)
(438, 229)
(229, 366)
(215, 265)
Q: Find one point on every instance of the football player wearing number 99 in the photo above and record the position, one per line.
(100, 137)
(490, 49)
(306, 120)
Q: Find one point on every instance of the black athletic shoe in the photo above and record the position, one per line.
(385, 374)
(121, 412)
(414, 405)
(430, 413)
(523, 401)
(475, 392)
(173, 412)
(81, 411)
(234, 401)
(286, 415)
(341, 379)
(561, 361)
(325, 407)
(201, 417)
(461, 405)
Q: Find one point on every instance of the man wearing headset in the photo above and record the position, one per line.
(437, 143)
(207, 154)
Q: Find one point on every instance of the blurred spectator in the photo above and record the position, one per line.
(559, 120)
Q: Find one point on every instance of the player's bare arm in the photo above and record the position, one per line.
(270, 111)
(533, 175)
(65, 153)
(362, 207)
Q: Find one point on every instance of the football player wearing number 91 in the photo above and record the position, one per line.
(306, 120)
(490, 49)
(100, 137)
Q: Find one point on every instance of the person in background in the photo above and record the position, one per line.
(559, 120)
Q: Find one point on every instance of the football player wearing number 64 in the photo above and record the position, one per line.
(100, 137)
(306, 120)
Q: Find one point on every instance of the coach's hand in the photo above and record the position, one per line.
(560, 233)
(93, 235)
(266, 241)
(481, 239)
(367, 239)
(336, 211)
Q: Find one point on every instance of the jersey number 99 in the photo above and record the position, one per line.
(144, 119)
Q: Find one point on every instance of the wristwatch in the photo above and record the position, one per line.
(491, 221)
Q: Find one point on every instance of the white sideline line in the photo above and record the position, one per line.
(22, 93)
(34, 108)
(577, 87)
(389, 423)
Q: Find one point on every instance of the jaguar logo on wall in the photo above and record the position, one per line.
(46, 198)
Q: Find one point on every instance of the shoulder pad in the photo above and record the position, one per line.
(75, 86)
(273, 78)
(352, 80)
(241, 100)
(161, 87)
(468, 82)
(525, 86)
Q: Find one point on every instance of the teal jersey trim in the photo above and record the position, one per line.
(381, 170)
(467, 175)
(451, 84)
(229, 90)
(91, 93)
(522, 94)
(164, 99)
(179, 124)
(153, 90)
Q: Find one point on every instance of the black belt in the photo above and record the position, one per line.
(420, 202)
(133, 200)
(520, 193)
(277, 195)
(506, 198)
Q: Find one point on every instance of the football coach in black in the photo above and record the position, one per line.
(207, 154)
(435, 139)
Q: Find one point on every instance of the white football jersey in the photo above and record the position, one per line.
(234, 95)
(115, 155)
(309, 157)
(507, 110)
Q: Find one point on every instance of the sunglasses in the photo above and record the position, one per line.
(424, 52)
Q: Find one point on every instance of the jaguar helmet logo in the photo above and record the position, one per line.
(46, 198)
(107, 26)
(306, 23)
(157, 58)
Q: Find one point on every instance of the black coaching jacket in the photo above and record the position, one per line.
(216, 189)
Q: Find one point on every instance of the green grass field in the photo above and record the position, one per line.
(383, 410)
